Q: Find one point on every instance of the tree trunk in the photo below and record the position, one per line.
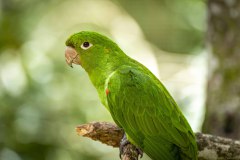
(223, 93)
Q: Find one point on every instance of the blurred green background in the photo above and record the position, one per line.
(42, 100)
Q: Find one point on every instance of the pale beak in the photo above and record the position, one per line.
(72, 56)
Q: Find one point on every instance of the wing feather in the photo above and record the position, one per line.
(148, 114)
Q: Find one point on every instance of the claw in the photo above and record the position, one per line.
(124, 142)
(140, 152)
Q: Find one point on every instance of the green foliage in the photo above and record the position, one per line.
(172, 25)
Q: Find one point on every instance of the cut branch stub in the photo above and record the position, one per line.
(104, 132)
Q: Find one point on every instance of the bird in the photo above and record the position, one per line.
(137, 100)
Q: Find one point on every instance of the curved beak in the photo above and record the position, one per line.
(72, 56)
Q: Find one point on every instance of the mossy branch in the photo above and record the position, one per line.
(210, 147)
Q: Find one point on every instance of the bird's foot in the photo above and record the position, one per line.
(126, 148)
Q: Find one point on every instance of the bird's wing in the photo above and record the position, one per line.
(144, 108)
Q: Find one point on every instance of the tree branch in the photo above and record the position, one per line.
(210, 147)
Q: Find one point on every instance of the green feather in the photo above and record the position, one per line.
(137, 100)
(149, 111)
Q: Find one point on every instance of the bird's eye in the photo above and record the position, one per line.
(86, 45)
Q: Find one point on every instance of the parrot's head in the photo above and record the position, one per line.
(90, 50)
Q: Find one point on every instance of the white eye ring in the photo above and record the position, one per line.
(86, 45)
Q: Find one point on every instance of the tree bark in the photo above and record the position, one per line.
(209, 147)
(223, 94)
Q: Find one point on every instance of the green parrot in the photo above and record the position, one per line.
(137, 101)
